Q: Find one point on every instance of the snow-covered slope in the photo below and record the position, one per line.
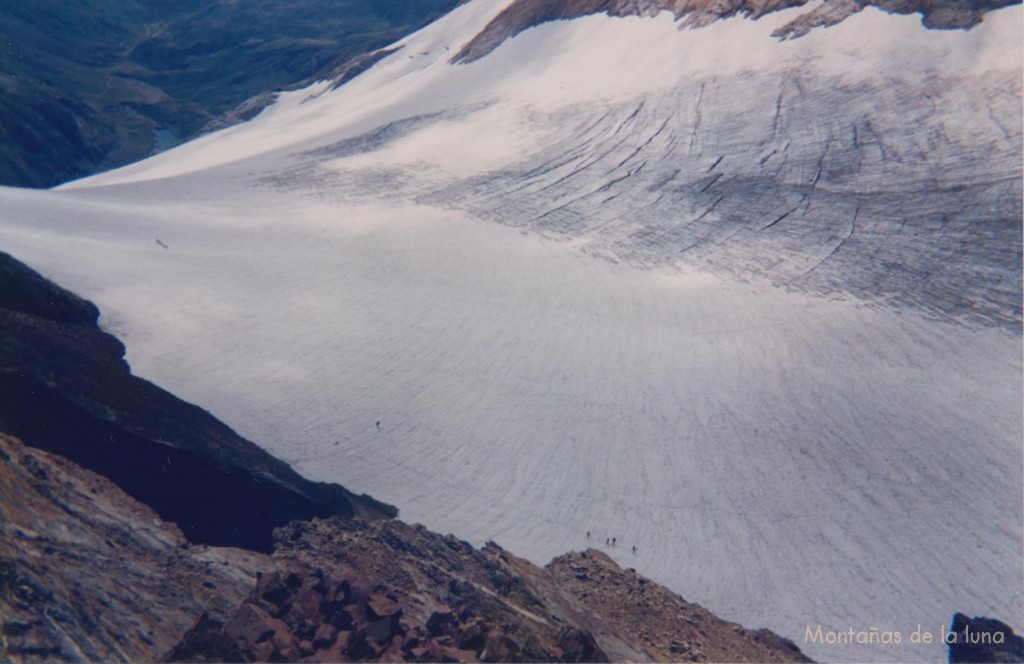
(750, 306)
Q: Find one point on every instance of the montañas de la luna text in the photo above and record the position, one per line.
(874, 635)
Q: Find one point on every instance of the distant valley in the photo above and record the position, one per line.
(90, 85)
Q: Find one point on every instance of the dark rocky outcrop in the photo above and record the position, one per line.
(350, 590)
(87, 573)
(983, 640)
(524, 14)
(65, 388)
(338, 76)
(662, 624)
(357, 65)
(244, 112)
(207, 642)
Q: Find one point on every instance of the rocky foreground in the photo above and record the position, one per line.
(88, 573)
(352, 589)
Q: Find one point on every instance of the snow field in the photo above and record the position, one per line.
(783, 458)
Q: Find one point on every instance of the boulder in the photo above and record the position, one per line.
(579, 646)
(252, 625)
(325, 636)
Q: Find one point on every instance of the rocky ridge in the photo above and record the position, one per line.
(89, 574)
(398, 592)
(524, 14)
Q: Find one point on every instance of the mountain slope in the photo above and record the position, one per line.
(750, 305)
(91, 85)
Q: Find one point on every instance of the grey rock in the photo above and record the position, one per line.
(524, 14)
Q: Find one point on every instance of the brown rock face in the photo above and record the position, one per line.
(207, 642)
(524, 14)
(87, 573)
(667, 627)
(359, 591)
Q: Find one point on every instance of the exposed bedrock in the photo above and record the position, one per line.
(89, 574)
(357, 591)
(524, 14)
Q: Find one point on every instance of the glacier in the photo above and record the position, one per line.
(749, 305)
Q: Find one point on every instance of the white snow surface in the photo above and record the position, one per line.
(785, 459)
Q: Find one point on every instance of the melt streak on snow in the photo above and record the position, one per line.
(750, 306)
